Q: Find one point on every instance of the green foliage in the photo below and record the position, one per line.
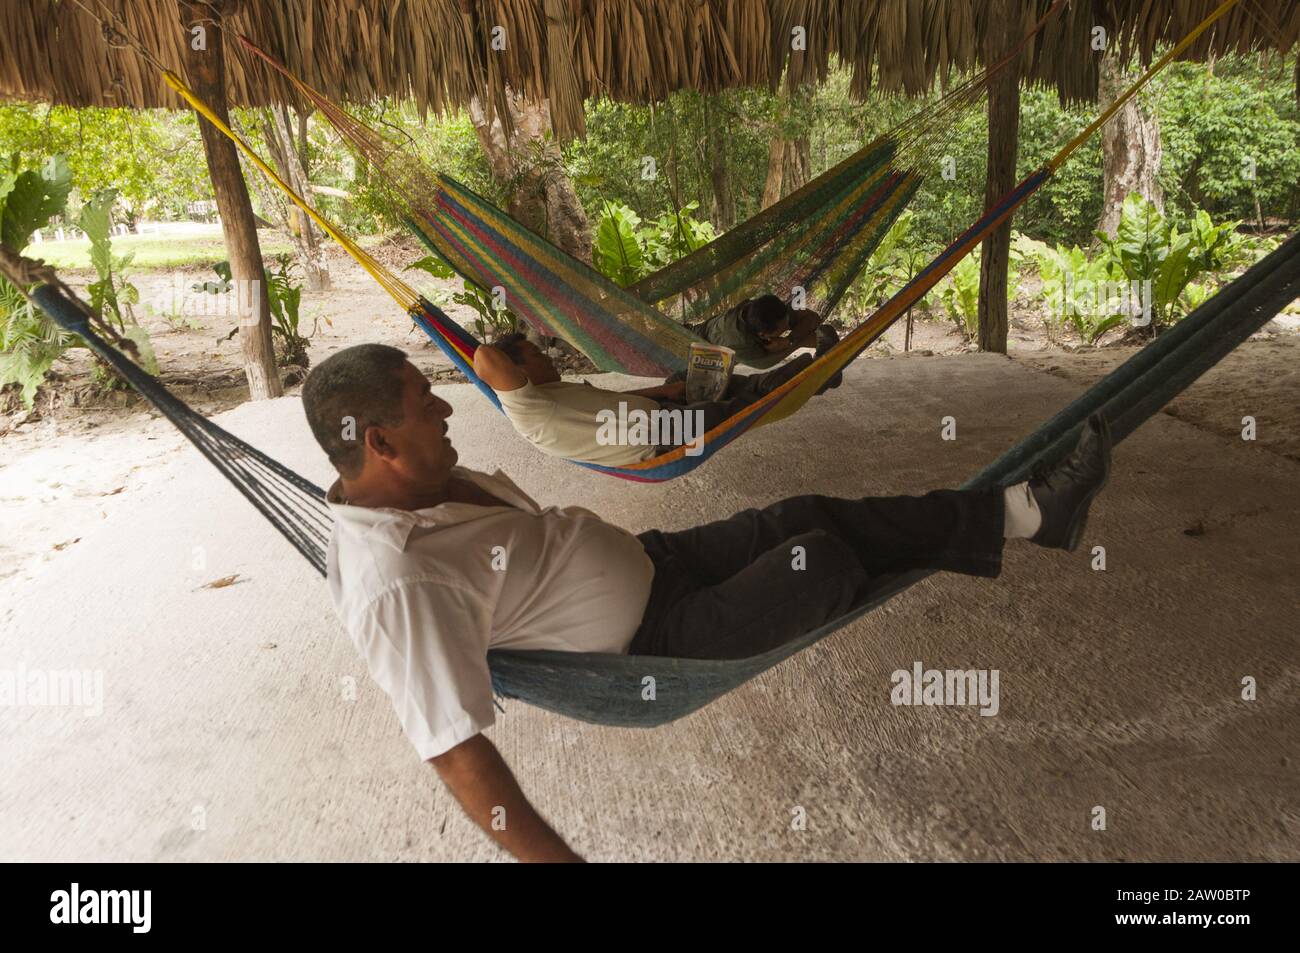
(1149, 262)
(1230, 133)
(30, 342)
(960, 293)
(1068, 206)
(29, 199)
(617, 251)
(448, 145)
(627, 249)
(283, 300)
(1195, 295)
(433, 265)
(111, 296)
(610, 163)
(674, 235)
(1066, 270)
(152, 157)
(1147, 247)
(899, 256)
(491, 320)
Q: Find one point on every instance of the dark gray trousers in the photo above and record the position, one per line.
(743, 390)
(740, 586)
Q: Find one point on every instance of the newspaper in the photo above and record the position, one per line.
(708, 371)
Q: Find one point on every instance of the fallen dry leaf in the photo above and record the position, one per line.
(222, 582)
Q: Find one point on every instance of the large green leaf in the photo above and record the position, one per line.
(432, 265)
(1096, 328)
(31, 199)
(1171, 277)
(96, 220)
(617, 252)
(1141, 239)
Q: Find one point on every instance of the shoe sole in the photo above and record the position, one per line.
(1076, 533)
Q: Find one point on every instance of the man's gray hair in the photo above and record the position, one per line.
(346, 393)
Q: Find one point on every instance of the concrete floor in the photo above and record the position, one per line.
(226, 709)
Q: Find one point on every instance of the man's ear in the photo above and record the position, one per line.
(376, 441)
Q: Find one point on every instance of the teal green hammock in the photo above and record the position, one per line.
(606, 689)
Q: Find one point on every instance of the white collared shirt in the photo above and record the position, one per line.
(425, 593)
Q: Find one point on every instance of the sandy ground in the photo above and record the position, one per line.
(230, 731)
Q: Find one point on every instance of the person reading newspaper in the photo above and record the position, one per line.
(764, 330)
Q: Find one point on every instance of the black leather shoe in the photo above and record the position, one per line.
(1065, 491)
(827, 338)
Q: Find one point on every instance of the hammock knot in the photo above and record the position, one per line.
(23, 273)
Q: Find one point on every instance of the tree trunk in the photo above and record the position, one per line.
(1130, 148)
(542, 196)
(789, 162)
(290, 162)
(1004, 131)
(775, 170)
(798, 164)
(724, 203)
(206, 72)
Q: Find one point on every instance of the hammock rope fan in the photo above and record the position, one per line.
(607, 689)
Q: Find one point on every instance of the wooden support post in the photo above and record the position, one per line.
(1000, 36)
(205, 67)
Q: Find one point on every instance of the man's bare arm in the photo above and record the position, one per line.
(803, 333)
(497, 370)
(804, 330)
(482, 783)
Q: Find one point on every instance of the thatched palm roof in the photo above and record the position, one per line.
(436, 52)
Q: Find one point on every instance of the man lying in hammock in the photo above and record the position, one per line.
(578, 421)
(431, 565)
(764, 330)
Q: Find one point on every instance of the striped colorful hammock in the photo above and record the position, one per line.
(474, 218)
(563, 297)
(809, 247)
(462, 224)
